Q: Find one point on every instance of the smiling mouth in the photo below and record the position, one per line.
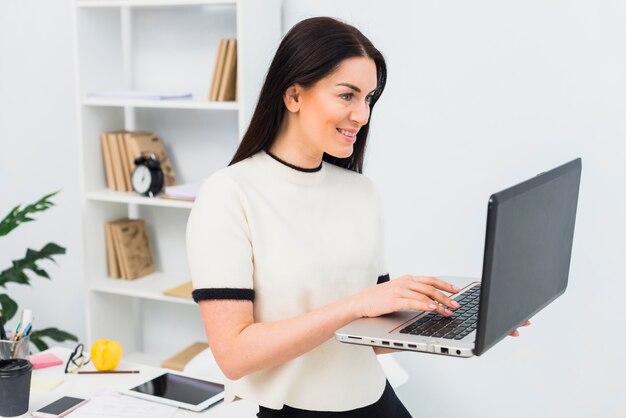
(346, 133)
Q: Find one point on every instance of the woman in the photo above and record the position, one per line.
(285, 244)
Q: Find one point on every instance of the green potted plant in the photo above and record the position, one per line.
(17, 272)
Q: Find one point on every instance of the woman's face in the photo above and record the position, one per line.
(332, 111)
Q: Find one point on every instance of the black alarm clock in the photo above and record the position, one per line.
(147, 178)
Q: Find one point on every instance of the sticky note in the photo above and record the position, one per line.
(44, 360)
(45, 383)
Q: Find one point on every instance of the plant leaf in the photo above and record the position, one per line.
(16, 217)
(53, 333)
(12, 275)
(51, 249)
(8, 305)
(29, 262)
(39, 343)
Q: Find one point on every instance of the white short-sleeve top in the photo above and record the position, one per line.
(291, 241)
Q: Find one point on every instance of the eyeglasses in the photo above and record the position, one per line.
(77, 360)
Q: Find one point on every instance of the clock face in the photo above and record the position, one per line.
(141, 179)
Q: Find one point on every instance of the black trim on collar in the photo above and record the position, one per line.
(223, 294)
(295, 167)
(383, 279)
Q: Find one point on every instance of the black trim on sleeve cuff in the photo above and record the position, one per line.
(223, 294)
(383, 279)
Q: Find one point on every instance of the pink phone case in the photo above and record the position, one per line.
(38, 414)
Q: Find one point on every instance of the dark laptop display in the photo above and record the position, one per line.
(528, 246)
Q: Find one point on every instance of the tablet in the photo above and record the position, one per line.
(178, 390)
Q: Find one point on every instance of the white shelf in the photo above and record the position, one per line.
(151, 3)
(163, 104)
(159, 45)
(133, 198)
(147, 287)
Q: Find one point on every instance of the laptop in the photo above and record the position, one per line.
(528, 248)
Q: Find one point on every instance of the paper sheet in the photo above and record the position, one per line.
(114, 405)
(45, 383)
(184, 191)
(139, 95)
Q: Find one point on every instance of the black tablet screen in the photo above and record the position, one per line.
(180, 388)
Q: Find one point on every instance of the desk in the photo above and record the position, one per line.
(84, 386)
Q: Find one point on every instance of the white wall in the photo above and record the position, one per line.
(38, 154)
(482, 95)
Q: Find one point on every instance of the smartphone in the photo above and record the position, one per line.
(60, 407)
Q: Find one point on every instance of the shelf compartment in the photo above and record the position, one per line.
(134, 198)
(152, 3)
(148, 287)
(163, 104)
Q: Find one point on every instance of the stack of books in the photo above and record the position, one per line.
(224, 83)
(121, 148)
(129, 254)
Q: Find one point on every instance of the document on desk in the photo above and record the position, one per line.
(111, 404)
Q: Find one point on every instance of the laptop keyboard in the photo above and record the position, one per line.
(454, 327)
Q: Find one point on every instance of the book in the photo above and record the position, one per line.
(112, 262)
(132, 247)
(148, 144)
(106, 159)
(229, 76)
(218, 69)
(129, 157)
(140, 95)
(126, 169)
(182, 291)
(117, 249)
(179, 360)
(116, 162)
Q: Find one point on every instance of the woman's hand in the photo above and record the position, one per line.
(516, 332)
(419, 293)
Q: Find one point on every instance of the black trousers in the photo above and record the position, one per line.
(388, 406)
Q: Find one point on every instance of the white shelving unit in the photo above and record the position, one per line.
(163, 104)
(159, 45)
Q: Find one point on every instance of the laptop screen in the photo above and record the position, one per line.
(528, 247)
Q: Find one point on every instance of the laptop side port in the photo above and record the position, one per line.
(412, 346)
(398, 345)
(385, 342)
(444, 350)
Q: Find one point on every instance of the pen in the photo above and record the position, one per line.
(27, 330)
(17, 328)
(110, 371)
(27, 318)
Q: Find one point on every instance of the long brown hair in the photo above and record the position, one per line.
(310, 51)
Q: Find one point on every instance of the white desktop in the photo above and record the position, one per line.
(103, 388)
